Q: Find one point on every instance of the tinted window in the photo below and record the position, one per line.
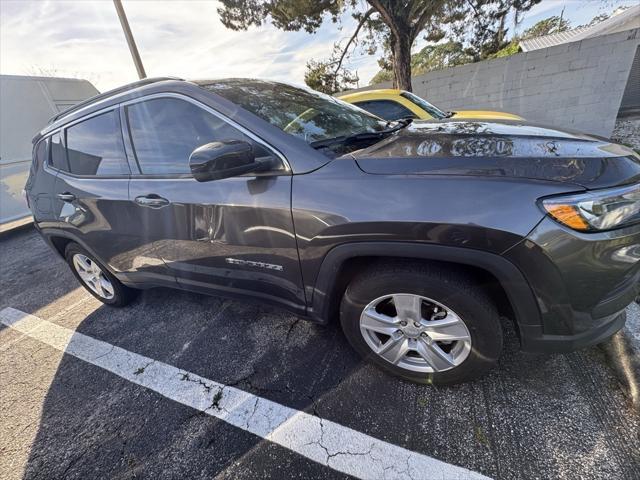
(165, 131)
(304, 113)
(387, 109)
(94, 147)
(58, 155)
(432, 110)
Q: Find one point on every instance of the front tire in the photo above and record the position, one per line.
(426, 324)
(96, 279)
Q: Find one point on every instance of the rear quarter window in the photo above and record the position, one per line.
(57, 153)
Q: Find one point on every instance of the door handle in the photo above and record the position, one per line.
(66, 197)
(152, 200)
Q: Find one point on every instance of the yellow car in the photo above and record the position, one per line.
(391, 104)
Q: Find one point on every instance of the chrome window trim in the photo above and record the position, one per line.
(206, 108)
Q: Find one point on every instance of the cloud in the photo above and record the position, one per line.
(184, 39)
(179, 38)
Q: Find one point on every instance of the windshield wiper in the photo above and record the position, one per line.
(449, 114)
(357, 137)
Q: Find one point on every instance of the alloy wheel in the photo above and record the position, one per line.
(415, 333)
(93, 276)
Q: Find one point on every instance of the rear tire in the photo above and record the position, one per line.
(463, 344)
(96, 279)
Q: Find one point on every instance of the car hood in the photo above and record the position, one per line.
(501, 149)
(486, 115)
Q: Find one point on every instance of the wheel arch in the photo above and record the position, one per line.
(344, 261)
(59, 240)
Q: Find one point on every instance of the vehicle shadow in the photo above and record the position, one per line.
(533, 416)
(530, 413)
(31, 275)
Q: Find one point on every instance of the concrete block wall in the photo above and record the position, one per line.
(575, 85)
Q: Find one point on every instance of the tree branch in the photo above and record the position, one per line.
(389, 20)
(353, 37)
(419, 25)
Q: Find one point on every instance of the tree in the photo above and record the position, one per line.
(481, 25)
(439, 56)
(321, 76)
(547, 26)
(477, 29)
(430, 57)
(394, 24)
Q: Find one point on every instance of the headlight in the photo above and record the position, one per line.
(596, 210)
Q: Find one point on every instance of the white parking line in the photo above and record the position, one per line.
(322, 441)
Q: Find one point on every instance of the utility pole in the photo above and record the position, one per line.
(130, 41)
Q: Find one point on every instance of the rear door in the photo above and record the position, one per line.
(91, 189)
(233, 235)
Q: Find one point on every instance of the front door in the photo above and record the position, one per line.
(233, 235)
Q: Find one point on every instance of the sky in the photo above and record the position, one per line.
(83, 39)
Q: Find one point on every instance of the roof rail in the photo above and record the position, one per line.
(110, 93)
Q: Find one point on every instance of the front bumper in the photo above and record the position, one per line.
(534, 340)
(582, 284)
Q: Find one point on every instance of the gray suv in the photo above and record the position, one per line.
(417, 235)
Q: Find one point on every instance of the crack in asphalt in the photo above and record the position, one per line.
(292, 326)
(205, 385)
(104, 354)
(141, 370)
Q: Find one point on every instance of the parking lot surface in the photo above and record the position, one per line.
(90, 414)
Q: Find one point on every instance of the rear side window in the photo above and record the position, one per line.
(58, 157)
(94, 147)
(164, 132)
(387, 109)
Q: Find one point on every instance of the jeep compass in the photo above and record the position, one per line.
(416, 236)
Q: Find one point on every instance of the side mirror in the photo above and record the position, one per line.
(228, 158)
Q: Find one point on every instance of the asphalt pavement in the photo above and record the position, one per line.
(77, 415)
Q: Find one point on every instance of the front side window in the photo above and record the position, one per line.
(164, 132)
(304, 113)
(58, 157)
(387, 109)
(94, 147)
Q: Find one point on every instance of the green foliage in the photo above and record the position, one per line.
(390, 24)
(381, 76)
(475, 30)
(288, 15)
(437, 57)
(431, 57)
(547, 26)
(321, 76)
(512, 48)
(482, 25)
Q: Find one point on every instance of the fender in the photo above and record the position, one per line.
(518, 291)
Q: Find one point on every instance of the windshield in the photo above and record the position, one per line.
(432, 110)
(304, 113)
